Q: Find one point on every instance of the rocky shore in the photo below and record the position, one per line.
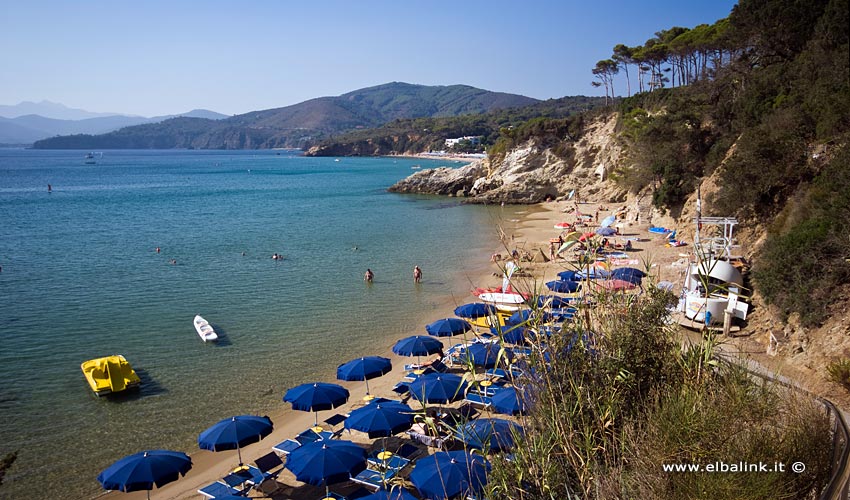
(531, 173)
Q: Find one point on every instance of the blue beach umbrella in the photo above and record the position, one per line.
(418, 345)
(448, 474)
(397, 493)
(507, 401)
(447, 327)
(475, 310)
(326, 461)
(380, 419)
(516, 335)
(235, 432)
(630, 274)
(487, 355)
(606, 231)
(438, 388)
(493, 434)
(316, 397)
(563, 286)
(554, 301)
(364, 368)
(607, 221)
(143, 470)
(569, 275)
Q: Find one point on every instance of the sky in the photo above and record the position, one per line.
(157, 57)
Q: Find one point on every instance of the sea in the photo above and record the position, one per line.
(81, 278)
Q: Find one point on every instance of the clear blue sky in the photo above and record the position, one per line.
(160, 57)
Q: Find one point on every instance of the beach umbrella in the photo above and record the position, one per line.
(326, 461)
(514, 335)
(418, 345)
(563, 225)
(447, 327)
(397, 493)
(606, 231)
(448, 474)
(475, 310)
(523, 316)
(629, 274)
(554, 301)
(562, 286)
(487, 355)
(143, 470)
(235, 432)
(493, 434)
(438, 388)
(607, 221)
(380, 418)
(586, 236)
(363, 369)
(316, 397)
(507, 401)
(615, 285)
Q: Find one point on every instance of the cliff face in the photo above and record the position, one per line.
(530, 173)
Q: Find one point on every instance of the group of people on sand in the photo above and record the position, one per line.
(417, 275)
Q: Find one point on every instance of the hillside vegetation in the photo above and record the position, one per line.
(410, 136)
(294, 126)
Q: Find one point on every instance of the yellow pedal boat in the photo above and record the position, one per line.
(110, 374)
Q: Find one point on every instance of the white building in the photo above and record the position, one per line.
(473, 139)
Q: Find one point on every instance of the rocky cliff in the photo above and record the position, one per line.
(530, 173)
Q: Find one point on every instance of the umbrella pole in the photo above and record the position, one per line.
(239, 453)
(367, 386)
(316, 424)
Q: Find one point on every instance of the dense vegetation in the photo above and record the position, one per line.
(294, 126)
(764, 105)
(615, 398)
(429, 134)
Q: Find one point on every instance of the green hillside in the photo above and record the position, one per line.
(426, 134)
(293, 126)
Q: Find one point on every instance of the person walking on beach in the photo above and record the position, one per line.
(417, 274)
(369, 276)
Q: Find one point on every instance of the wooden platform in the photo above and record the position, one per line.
(700, 326)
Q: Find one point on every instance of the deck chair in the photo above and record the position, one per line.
(478, 400)
(373, 479)
(219, 489)
(266, 467)
(308, 436)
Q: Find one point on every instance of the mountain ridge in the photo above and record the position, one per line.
(298, 124)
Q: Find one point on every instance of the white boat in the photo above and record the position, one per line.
(204, 329)
(503, 301)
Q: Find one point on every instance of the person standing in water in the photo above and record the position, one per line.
(369, 276)
(417, 274)
(49, 188)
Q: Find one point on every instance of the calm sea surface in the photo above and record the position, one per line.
(81, 279)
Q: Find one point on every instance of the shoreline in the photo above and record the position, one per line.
(529, 231)
(208, 467)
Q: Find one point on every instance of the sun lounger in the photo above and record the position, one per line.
(374, 479)
(219, 489)
(268, 466)
(394, 462)
(308, 436)
(478, 400)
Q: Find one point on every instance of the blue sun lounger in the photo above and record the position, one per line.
(220, 489)
(374, 479)
(308, 436)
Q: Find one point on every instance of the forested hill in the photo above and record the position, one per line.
(416, 135)
(293, 126)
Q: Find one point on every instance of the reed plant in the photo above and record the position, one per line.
(615, 396)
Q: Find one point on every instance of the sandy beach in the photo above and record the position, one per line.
(530, 233)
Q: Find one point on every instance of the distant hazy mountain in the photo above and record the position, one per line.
(48, 109)
(292, 126)
(27, 129)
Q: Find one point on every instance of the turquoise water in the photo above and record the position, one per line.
(81, 279)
